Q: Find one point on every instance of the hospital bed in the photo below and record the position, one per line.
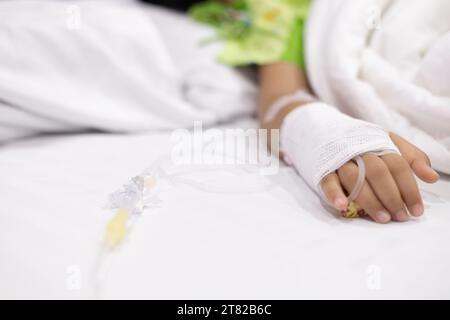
(271, 243)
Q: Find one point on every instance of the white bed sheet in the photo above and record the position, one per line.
(275, 244)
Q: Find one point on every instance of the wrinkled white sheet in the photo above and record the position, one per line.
(110, 66)
(387, 62)
(278, 243)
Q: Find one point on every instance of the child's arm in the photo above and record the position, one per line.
(390, 187)
(277, 80)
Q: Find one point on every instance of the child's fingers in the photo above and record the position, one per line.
(384, 186)
(332, 189)
(366, 199)
(417, 159)
(421, 167)
(406, 183)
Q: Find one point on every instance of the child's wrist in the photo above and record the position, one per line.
(281, 107)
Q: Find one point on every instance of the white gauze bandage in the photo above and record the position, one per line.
(317, 140)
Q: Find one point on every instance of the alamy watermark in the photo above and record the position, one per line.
(374, 15)
(227, 147)
(73, 277)
(373, 280)
(73, 19)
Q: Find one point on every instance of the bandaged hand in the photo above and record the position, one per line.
(322, 144)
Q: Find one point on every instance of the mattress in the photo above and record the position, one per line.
(274, 243)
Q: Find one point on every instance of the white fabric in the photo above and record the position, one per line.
(318, 140)
(386, 62)
(278, 244)
(110, 66)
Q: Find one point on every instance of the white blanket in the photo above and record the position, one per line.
(386, 62)
(110, 66)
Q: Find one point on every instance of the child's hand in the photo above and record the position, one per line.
(390, 189)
